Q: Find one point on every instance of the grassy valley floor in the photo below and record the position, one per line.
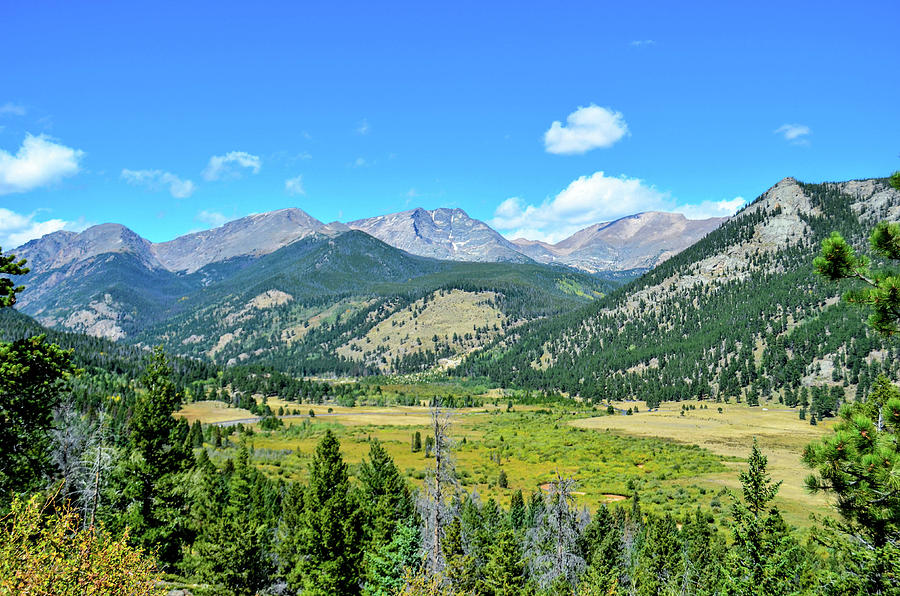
(675, 462)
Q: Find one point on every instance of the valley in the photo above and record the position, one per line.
(643, 397)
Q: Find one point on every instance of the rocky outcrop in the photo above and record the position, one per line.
(448, 234)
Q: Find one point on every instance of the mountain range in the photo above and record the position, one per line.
(635, 242)
(736, 313)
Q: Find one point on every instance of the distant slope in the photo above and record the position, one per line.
(109, 282)
(739, 314)
(636, 242)
(292, 306)
(297, 306)
(441, 234)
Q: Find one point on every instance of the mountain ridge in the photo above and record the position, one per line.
(611, 246)
(737, 315)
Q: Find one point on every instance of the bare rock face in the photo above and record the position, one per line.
(639, 241)
(448, 234)
(253, 236)
(59, 249)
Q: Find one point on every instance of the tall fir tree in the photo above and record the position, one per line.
(148, 494)
(764, 559)
(329, 534)
(384, 495)
(231, 548)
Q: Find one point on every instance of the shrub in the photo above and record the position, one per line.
(44, 550)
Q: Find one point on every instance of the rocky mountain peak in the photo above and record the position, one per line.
(443, 233)
(62, 248)
(254, 235)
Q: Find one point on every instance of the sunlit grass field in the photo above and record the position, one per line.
(674, 462)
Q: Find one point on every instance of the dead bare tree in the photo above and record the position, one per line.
(553, 543)
(435, 500)
(70, 435)
(82, 453)
(98, 460)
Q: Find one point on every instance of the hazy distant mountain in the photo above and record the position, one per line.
(62, 248)
(253, 236)
(108, 281)
(441, 234)
(639, 241)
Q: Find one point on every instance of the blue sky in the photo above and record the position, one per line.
(172, 117)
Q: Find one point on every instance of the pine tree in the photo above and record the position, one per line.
(388, 564)
(703, 551)
(858, 464)
(603, 545)
(328, 537)
(881, 290)
(764, 559)
(8, 290)
(659, 569)
(32, 377)
(147, 494)
(517, 511)
(384, 494)
(504, 570)
(230, 549)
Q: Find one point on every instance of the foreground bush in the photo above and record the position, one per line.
(45, 550)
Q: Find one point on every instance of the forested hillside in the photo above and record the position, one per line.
(305, 308)
(295, 308)
(739, 315)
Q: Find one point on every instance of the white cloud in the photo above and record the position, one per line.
(213, 218)
(706, 209)
(594, 199)
(585, 129)
(12, 109)
(794, 133)
(154, 179)
(17, 229)
(363, 127)
(642, 42)
(39, 162)
(587, 200)
(294, 186)
(361, 162)
(225, 166)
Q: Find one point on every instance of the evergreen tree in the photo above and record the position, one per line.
(384, 495)
(148, 495)
(32, 377)
(231, 548)
(881, 291)
(504, 571)
(517, 510)
(659, 570)
(764, 559)
(8, 288)
(603, 544)
(460, 567)
(328, 536)
(703, 552)
(858, 463)
(388, 564)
